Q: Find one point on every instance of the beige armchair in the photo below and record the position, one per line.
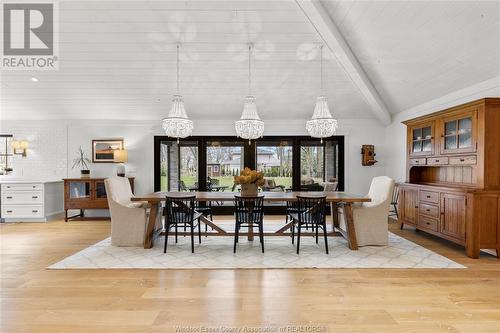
(371, 218)
(128, 219)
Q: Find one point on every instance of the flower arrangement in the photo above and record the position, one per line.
(249, 176)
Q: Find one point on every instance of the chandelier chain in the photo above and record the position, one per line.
(321, 66)
(249, 69)
(177, 69)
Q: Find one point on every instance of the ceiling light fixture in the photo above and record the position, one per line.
(177, 124)
(322, 124)
(250, 126)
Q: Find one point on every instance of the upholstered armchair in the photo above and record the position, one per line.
(128, 218)
(371, 218)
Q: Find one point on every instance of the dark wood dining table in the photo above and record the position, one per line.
(336, 200)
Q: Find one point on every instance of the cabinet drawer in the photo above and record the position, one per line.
(22, 187)
(464, 160)
(417, 161)
(437, 161)
(429, 196)
(14, 211)
(20, 197)
(428, 210)
(428, 223)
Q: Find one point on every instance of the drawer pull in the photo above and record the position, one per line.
(427, 223)
(416, 206)
(428, 197)
(35, 197)
(9, 211)
(417, 161)
(427, 210)
(9, 198)
(437, 160)
(462, 160)
(34, 186)
(34, 211)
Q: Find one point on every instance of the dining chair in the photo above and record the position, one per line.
(394, 202)
(205, 210)
(249, 213)
(310, 214)
(180, 212)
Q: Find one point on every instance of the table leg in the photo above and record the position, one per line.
(150, 229)
(334, 209)
(250, 232)
(349, 221)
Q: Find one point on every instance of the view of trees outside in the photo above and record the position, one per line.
(164, 167)
(311, 164)
(276, 163)
(189, 165)
(223, 163)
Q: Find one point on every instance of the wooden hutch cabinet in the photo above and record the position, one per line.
(86, 193)
(452, 187)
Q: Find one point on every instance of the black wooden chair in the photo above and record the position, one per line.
(393, 211)
(180, 212)
(205, 210)
(249, 212)
(311, 214)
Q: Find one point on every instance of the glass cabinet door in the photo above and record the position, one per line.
(100, 190)
(458, 136)
(79, 190)
(422, 140)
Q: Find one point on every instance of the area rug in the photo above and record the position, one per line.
(217, 253)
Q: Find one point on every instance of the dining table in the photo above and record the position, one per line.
(337, 200)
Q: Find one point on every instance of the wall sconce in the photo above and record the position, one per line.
(120, 156)
(20, 147)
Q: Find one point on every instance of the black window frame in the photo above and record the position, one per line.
(250, 155)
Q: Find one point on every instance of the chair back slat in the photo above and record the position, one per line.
(249, 210)
(311, 210)
(179, 210)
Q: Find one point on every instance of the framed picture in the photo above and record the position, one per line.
(102, 150)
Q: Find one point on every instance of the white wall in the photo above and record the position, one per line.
(53, 145)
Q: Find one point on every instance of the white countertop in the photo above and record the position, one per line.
(29, 181)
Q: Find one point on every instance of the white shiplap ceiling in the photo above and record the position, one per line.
(117, 58)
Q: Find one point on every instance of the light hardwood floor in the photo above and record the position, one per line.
(34, 299)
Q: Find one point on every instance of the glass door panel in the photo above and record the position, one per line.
(79, 190)
(100, 190)
(224, 161)
(458, 134)
(465, 133)
(312, 171)
(274, 159)
(188, 166)
(422, 142)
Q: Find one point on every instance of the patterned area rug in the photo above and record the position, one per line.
(216, 253)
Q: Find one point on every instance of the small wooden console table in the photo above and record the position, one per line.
(86, 193)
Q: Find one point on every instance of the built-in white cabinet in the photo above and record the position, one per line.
(31, 201)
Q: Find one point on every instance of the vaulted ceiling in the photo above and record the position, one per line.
(117, 58)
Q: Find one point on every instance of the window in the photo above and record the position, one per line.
(312, 171)
(210, 163)
(224, 161)
(275, 160)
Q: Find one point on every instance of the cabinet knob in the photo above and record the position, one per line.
(416, 206)
(462, 160)
(34, 211)
(427, 210)
(9, 211)
(35, 197)
(8, 197)
(428, 197)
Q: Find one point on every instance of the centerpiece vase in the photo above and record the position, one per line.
(249, 190)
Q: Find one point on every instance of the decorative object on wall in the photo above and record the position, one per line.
(5, 154)
(103, 150)
(20, 147)
(322, 123)
(368, 155)
(177, 124)
(250, 126)
(83, 162)
(120, 157)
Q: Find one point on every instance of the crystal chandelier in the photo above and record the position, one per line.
(177, 124)
(249, 126)
(322, 124)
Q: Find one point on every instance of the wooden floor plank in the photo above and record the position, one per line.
(34, 299)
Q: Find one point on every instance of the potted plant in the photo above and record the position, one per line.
(83, 162)
(249, 180)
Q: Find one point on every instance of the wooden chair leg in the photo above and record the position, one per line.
(192, 237)
(326, 237)
(316, 233)
(176, 233)
(298, 238)
(293, 233)
(199, 231)
(166, 239)
(261, 236)
(402, 225)
(236, 232)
